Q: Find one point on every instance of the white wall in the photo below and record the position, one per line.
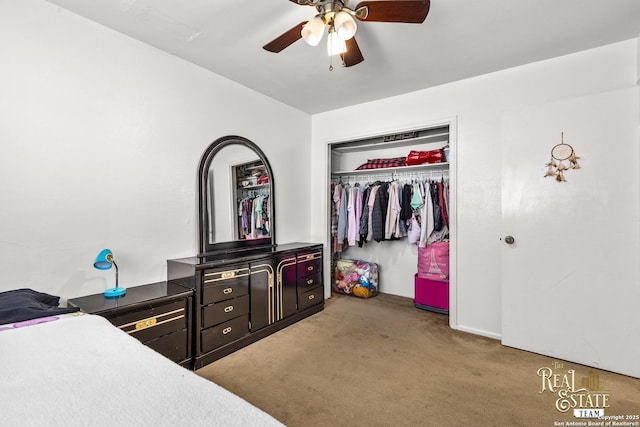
(478, 105)
(100, 138)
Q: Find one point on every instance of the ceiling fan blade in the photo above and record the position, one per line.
(353, 55)
(408, 11)
(284, 40)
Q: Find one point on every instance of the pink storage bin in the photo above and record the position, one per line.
(432, 295)
(433, 261)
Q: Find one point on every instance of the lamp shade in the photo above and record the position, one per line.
(104, 261)
(345, 25)
(313, 30)
(335, 45)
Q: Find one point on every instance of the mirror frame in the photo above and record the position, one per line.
(205, 247)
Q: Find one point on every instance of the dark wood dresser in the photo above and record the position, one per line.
(157, 314)
(244, 295)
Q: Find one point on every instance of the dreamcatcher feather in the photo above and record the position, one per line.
(560, 154)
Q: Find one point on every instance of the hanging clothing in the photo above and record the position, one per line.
(343, 223)
(364, 218)
(372, 211)
(392, 224)
(438, 235)
(416, 198)
(440, 214)
(417, 210)
(379, 216)
(266, 227)
(437, 212)
(334, 212)
(258, 212)
(355, 211)
(244, 218)
(413, 234)
(427, 215)
(254, 217)
(402, 224)
(407, 211)
(337, 196)
(443, 209)
(446, 199)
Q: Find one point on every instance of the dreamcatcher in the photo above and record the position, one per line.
(560, 154)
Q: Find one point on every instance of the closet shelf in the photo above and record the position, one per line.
(437, 135)
(399, 169)
(252, 186)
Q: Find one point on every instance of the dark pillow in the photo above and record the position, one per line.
(26, 304)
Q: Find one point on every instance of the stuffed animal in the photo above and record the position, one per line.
(342, 286)
(364, 282)
(360, 291)
(351, 278)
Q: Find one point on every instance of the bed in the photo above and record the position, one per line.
(67, 368)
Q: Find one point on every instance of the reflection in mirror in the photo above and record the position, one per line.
(239, 184)
(236, 196)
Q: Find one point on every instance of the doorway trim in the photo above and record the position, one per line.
(452, 123)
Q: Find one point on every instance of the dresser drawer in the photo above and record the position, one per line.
(153, 322)
(312, 297)
(306, 283)
(173, 346)
(224, 310)
(224, 333)
(219, 285)
(309, 264)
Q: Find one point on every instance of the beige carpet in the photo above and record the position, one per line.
(382, 362)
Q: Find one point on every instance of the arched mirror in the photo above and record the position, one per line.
(236, 202)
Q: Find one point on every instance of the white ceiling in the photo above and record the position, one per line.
(459, 39)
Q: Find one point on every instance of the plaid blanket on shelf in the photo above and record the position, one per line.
(383, 163)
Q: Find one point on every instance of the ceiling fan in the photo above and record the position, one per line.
(341, 25)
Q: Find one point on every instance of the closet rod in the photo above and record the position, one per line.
(426, 166)
(393, 176)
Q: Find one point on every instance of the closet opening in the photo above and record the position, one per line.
(411, 169)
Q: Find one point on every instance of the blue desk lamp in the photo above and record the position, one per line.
(103, 262)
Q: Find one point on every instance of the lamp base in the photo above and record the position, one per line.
(114, 292)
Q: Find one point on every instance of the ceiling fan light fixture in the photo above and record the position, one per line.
(335, 45)
(340, 21)
(313, 30)
(345, 25)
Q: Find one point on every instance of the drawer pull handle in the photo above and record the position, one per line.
(311, 297)
(227, 274)
(310, 281)
(310, 268)
(228, 309)
(147, 323)
(227, 291)
(226, 330)
(160, 319)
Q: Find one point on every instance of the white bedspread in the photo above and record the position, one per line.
(82, 371)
